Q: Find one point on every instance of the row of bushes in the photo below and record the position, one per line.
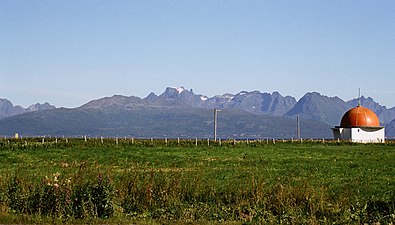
(182, 196)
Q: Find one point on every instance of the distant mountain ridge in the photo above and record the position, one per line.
(153, 121)
(254, 102)
(7, 109)
(311, 107)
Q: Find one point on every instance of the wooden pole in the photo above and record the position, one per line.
(215, 124)
(298, 126)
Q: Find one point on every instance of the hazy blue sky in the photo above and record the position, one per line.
(69, 52)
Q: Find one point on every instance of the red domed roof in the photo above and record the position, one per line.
(360, 117)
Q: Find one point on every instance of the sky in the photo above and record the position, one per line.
(70, 52)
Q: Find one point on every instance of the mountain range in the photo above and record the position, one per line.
(179, 112)
(7, 109)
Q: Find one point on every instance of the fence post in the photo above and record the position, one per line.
(208, 142)
(196, 142)
(166, 141)
(178, 141)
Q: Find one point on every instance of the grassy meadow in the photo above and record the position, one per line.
(183, 182)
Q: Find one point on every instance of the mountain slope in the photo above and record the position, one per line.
(314, 106)
(151, 122)
(390, 129)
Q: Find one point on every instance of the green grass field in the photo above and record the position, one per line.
(158, 182)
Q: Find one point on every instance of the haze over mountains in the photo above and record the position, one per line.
(178, 112)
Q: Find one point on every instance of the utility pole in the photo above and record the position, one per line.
(215, 123)
(298, 126)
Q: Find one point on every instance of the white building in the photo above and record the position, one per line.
(361, 125)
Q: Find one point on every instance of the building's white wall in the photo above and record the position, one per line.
(367, 135)
(362, 135)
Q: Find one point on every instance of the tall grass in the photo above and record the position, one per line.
(91, 182)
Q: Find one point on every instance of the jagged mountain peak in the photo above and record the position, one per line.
(260, 103)
(7, 109)
(316, 106)
(368, 102)
(254, 102)
(38, 106)
(152, 96)
(226, 96)
(171, 91)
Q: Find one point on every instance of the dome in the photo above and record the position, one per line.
(360, 117)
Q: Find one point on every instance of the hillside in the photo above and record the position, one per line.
(157, 122)
(179, 112)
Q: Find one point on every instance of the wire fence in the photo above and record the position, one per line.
(171, 142)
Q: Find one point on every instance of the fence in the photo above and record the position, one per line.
(151, 142)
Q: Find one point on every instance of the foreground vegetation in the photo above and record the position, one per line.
(189, 182)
